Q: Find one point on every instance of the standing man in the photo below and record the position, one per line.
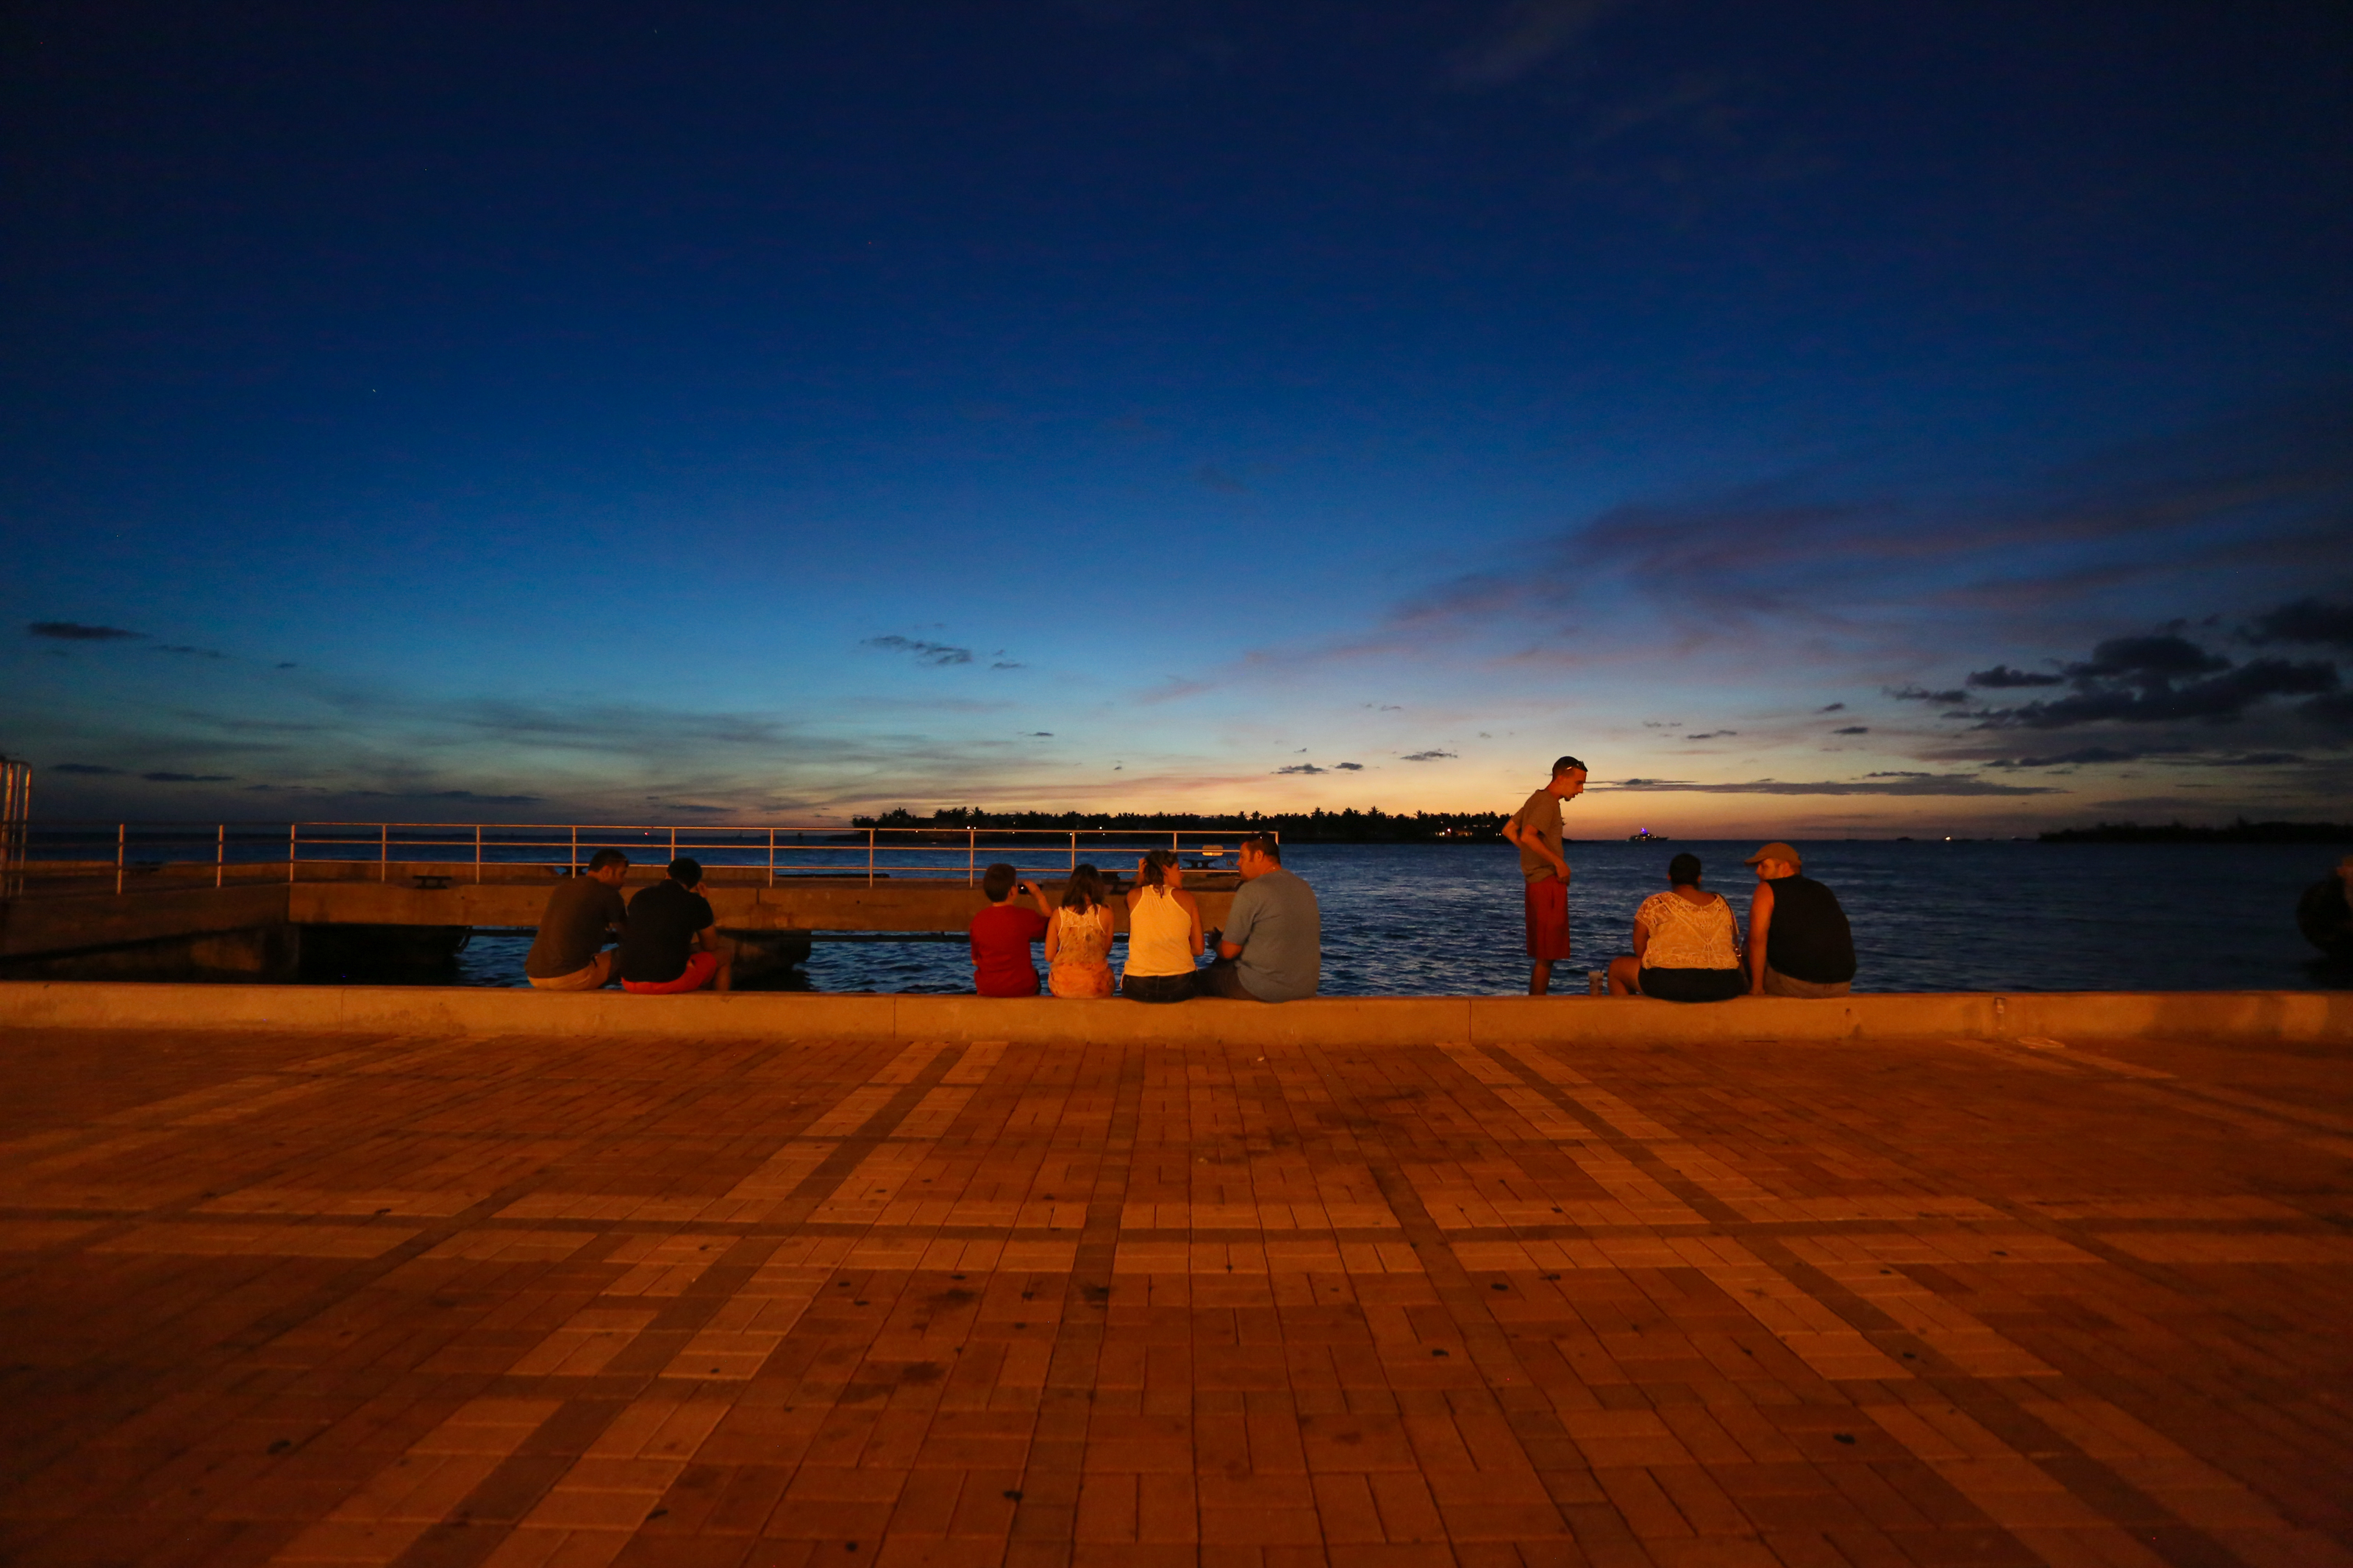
(1272, 947)
(1799, 941)
(672, 943)
(1535, 829)
(569, 953)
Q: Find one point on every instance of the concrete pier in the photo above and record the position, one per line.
(174, 924)
(400, 1276)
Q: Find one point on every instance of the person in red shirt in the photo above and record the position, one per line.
(1001, 935)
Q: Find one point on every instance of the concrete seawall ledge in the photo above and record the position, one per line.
(412, 1010)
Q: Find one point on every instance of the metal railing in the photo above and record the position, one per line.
(69, 857)
(16, 810)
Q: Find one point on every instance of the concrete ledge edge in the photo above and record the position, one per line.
(2302, 1015)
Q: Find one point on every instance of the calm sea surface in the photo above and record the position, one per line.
(1930, 915)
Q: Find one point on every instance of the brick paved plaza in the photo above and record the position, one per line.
(274, 1298)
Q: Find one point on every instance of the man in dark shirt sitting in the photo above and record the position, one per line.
(569, 953)
(672, 941)
(1799, 941)
(2325, 913)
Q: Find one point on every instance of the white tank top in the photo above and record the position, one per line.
(1159, 935)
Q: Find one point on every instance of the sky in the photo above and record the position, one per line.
(1824, 419)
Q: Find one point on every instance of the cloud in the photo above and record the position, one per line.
(1003, 664)
(90, 770)
(2136, 694)
(74, 631)
(2147, 659)
(1425, 756)
(161, 778)
(482, 799)
(285, 664)
(2304, 621)
(1854, 729)
(2001, 676)
(1348, 767)
(938, 655)
(1518, 39)
(1211, 477)
(1878, 783)
(1300, 768)
(1712, 735)
(2083, 757)
(183, 647)
(1833, 708)
(1041, 734)
(1921, 694)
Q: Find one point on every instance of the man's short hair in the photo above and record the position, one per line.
(1567, 764)
(997, 883)
(603, 857)
(1265, 844)
(686, 872)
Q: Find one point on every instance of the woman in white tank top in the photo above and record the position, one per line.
(1164, 932)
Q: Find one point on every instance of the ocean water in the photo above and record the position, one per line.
(1444, 920)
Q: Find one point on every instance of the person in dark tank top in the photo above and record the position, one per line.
(1798, 941)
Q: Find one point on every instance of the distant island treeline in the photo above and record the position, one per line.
(1350, 827)
(2239, 832)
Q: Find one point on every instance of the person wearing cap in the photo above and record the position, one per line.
(2325, 913)
(1799, 941)
(1534, 831)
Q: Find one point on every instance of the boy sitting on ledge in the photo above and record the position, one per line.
(1001, 934)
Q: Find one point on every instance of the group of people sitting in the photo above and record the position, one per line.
(1270, 949)
(1687, 945)
(668, 937)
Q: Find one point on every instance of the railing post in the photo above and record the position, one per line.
(1074, 853)
(384, 851)
(291, 828)
(971, 856)
(576, 851)
(870, 857)
(673, 843)
(220, 853)
(120, 828)
(771, 856)
(478, 853)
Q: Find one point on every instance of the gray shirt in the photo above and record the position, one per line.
(572, 932)
(1275, 920)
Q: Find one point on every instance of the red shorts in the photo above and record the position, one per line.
(700, 967)
(1548, 918)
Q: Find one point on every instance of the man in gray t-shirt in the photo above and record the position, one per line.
(1272, 946)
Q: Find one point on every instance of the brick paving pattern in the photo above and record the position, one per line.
(440, 1304)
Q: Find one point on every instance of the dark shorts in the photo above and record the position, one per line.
(1224, 978)
(1548, 912)
(1694, 984)
(1160, 987)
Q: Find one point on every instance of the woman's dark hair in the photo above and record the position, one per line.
(1156, 866)
(1683, 871)
(1084, 890)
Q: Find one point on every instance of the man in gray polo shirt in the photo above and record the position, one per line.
(1272, 946)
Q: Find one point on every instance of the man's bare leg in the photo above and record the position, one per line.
(1540, 977)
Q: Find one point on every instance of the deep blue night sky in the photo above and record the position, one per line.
(772, 413)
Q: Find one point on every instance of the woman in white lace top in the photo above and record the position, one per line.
(1686, 943)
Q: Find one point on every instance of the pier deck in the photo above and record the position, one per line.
(274, 1296)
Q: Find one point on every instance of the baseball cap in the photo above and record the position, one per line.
(1776, 850)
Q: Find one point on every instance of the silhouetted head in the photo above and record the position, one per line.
(686, 872)
(998, 881)
(1683, 871)
(1084, 890)
(1157, 864)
